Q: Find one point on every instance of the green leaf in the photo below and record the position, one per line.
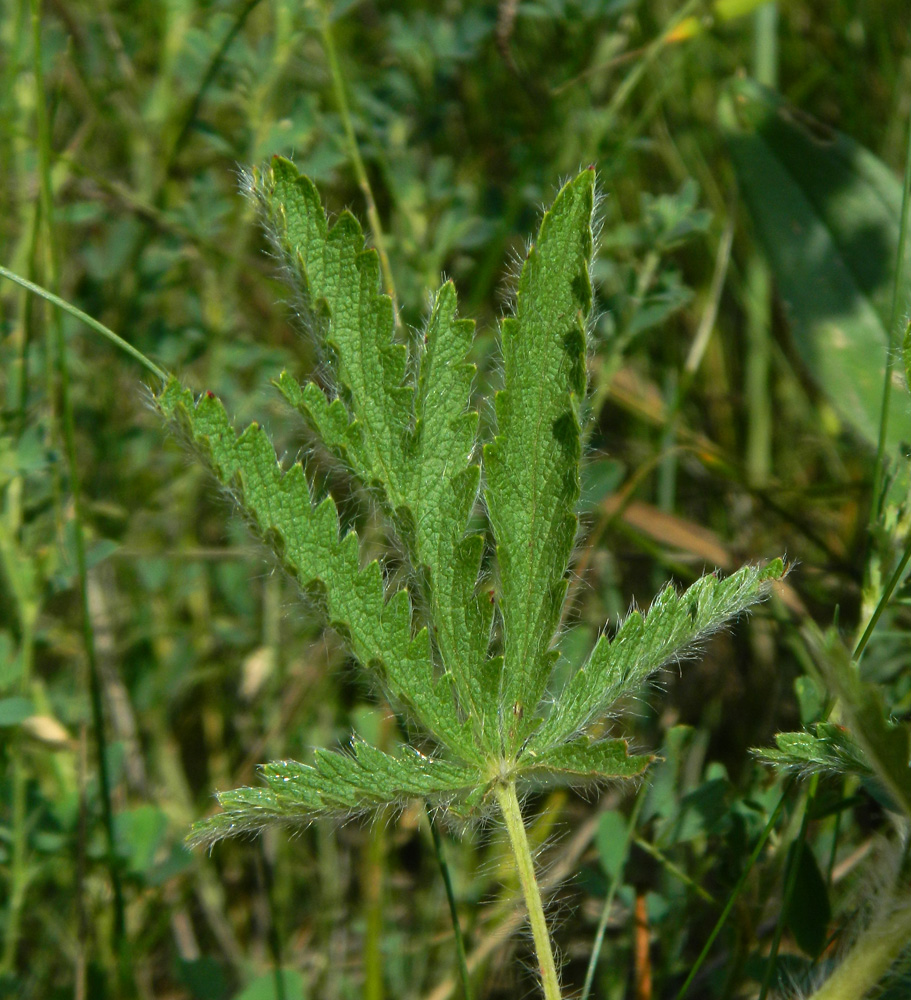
(265, 987)
(336, 784)
(140, 832)
(306, 539)
(406, 429)
(886, 746)
(830, 749)
(674, 624)
(532, 466)
(587, 759)
(612, 841)
(826, 212)
(809, 910)
(441, 492)
(415, 442)
(14, 710)
(339, 284)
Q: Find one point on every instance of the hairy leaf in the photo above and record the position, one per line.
(532, 466)
(339, 285)
(674, 624)
(587, 759)
(413, 443)
(441, 491)
(829, 749)
(336, 784)
(306, 539)
(886, 746)
(407, 432)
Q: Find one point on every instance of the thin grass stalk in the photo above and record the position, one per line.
(738, 888)
(18, 864)
(61, 364)
(759, 286)
(461, 958)
(208, 77)
(615, 884)
(360, 172)
(884, 598)
(678, 388)
(649, 55)
(89, 321)
(374, 988)
(790, 883)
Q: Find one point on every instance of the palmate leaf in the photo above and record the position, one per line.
(886, 745)
(404, 427)
(532, 466)
(829, 749)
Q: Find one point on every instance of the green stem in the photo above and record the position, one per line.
(800, 844)
(869, 960)
(373, 892)
(360, 172)
(615, 884)
(68, 427)
(515, 827)
(18, 867)
(211, 71)
(85, 318)
(758, 282)
(884, 599)
(453, 908)
(738, 888)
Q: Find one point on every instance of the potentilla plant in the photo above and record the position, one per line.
(465, 648)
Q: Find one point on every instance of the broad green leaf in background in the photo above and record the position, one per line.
(826, 212)
(809, 910)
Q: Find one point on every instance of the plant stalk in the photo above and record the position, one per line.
(869, 960)
(518, 839)
(357, 162)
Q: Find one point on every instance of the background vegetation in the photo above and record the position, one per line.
(123, 132)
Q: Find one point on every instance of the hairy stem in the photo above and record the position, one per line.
(512, 814)
(869, 960)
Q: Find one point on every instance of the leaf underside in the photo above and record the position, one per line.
(399, 420)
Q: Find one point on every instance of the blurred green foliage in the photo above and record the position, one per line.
(124, 131)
